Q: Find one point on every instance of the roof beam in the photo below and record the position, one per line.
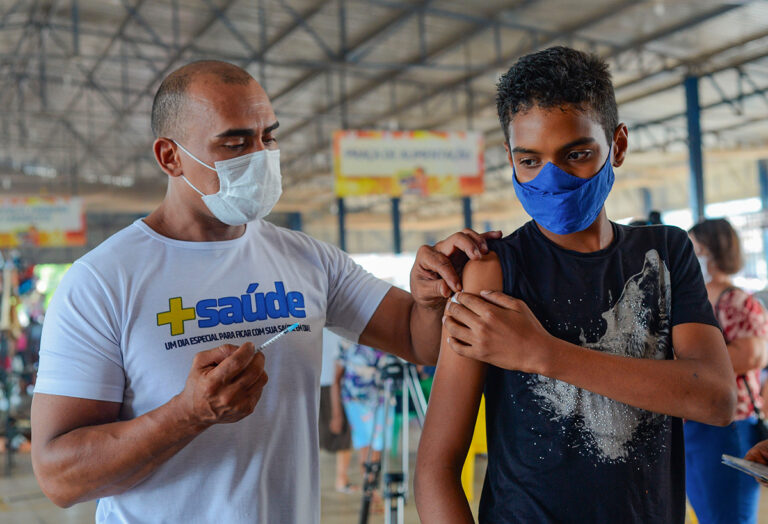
(636, 43)
(138, 153)
(359, 48)
(462, 81)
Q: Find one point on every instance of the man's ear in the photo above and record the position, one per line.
(167, 156)
(620, 144)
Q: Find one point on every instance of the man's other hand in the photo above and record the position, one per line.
(436, 272)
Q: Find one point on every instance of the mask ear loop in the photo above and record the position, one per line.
(193, 156)
(196, 160)
(185, 179)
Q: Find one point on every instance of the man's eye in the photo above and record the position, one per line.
(528, 162)
(234, 147)
(270, 140)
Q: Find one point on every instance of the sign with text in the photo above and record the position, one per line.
(397, 163)
(41, 222)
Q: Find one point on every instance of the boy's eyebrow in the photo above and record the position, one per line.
(518, 149)
(579, 142)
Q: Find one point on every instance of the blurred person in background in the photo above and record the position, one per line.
(718, 494)
(359, 388)
(335, 435)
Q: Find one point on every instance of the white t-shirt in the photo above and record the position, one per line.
(127, 320)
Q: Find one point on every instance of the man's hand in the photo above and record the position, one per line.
(496, 329)
(435, 274)
(224, 384)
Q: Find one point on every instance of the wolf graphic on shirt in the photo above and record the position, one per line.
(638, 326)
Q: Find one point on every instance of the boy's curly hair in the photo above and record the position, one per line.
(557, 77)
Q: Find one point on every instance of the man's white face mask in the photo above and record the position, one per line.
(249, 186)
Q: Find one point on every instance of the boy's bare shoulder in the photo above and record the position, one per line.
(483, 273)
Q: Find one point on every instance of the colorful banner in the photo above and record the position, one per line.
(400, 163)
(42, 222)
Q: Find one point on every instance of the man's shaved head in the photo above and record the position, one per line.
(168, 105)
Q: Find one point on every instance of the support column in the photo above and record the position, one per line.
(342, 225)
(647, 201)
(295, 221)
(396, 233)
(695, 156)
(467, 206)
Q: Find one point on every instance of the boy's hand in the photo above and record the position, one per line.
(435, 273)
(759, 453)
(496, 329)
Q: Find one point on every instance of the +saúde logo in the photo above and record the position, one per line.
(249, 307)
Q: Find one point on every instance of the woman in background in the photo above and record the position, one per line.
(719, 494)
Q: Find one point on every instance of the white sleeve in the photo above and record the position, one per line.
(354, 294)
(80, 346)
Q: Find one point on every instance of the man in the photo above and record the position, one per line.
(590, 340)
(148, 348)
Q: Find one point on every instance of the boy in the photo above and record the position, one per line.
(608, 342)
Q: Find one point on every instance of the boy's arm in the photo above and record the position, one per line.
(450, 420)
(698, 385)
(408, 324)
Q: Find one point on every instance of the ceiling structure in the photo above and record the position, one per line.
(77, 79)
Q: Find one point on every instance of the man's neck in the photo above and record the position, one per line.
(596, 237)
(174, 219)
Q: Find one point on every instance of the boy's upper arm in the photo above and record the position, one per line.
(696, 341)
(459, 381)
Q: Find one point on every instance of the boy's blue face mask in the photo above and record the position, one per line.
(563, 203)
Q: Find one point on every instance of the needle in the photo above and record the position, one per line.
(273, 339)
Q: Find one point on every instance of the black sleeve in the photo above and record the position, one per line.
(689, 295)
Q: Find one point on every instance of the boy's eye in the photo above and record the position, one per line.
(528, 162)
(579, 155)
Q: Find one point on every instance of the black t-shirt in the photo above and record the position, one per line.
(557, 453)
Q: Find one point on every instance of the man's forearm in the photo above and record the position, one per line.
(108, 459)
(682, 388)
(426, 327)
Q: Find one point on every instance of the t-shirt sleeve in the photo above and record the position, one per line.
(354, 294)
(80, 346)
(689, 295)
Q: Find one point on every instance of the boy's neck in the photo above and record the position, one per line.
(596, 237)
